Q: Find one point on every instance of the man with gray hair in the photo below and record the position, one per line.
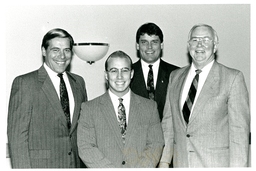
(206, 120)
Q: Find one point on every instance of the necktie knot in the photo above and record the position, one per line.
(150, 66)
(120, 100)
(198, 71)
(60, 75)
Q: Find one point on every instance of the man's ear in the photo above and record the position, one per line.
(132, 73)
(215, 47)
(106, 75)
(43, 51)
(137, 46)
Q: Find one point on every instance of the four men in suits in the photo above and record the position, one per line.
(39, 134)
(216, 133)
(104, 140)
(149, 43)
(122, 129)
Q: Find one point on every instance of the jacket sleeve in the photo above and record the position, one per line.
(19, 114)
(239, 122)
(167, 126)
(154, 143)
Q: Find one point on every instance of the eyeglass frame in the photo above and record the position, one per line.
(200, 39)
(114, 71)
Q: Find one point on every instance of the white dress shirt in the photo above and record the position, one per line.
(191, 74)
(145, 69)
(56, 83)
(126, 102)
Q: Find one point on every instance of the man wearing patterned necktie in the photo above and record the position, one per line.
(151, 73)
(43, 113)
(119, 129)
(206, 120)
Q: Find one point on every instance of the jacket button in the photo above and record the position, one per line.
(123, 163)
(69, 153)
(188, 135)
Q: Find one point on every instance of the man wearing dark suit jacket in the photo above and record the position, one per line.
(125, 134)
(149, 43)
(210, 127)
(39, 133)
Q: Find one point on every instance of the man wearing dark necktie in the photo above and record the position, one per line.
(44, 109)
(151, 72)
(64, 99)
(206, 119)
(119, 129)
(150, 83)
(191, 96)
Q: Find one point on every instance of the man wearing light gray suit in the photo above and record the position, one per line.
(113, 137)
(214, 132)
(39, 133)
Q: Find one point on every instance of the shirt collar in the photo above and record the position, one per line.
(155, 65)
(51, 73)
(205, 69)
(115, 97)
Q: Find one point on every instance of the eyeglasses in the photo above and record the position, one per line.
(115, 71)
(206, 41)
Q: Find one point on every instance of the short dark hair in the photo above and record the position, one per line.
(56, 32)
(117, 54)
(150, 29)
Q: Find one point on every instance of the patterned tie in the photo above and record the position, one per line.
(64, 99)
(150, 83)
(122, 118)
(191, 96)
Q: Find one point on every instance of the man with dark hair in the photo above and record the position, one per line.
(44, 109)
(151, 73)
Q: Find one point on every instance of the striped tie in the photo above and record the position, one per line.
(191, 96)
(122, 118)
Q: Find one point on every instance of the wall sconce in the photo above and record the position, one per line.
(90, 52)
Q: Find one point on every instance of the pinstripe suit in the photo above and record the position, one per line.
(38, 136)
(217, 134)
(99, 138)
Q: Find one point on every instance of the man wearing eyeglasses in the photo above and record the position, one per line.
(206, 119)
(119, 129)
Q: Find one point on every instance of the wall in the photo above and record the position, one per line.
(117, 25)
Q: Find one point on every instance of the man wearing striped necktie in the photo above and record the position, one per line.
(206, 120)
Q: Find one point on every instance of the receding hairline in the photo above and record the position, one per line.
(216, 38)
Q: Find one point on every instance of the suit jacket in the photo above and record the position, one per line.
(100, 143)
(217, 134)
(37, 130)
(139, 87)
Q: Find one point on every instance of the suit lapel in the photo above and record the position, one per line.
(179, 87)
(139, 80)
(50, 93)
(162, 79)
(209, 89)
(108, 111)
(133, 118)
(75, 92)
